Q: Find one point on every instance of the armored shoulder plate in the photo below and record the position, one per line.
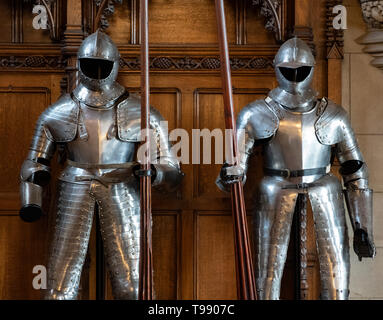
(129, 119)
(60, 120)
(333, 125)
(259, 120)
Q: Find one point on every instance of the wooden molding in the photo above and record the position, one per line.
(334, 38)
(171, 58)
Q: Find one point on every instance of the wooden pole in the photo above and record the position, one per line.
(146, 259)
(244, 265)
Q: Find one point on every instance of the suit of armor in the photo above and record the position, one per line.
(298, 132)
(98, 126)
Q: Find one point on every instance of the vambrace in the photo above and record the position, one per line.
(358, 196)
(168, 174)
(35, 174)
(230, 174)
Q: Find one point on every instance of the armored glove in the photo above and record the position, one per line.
(363, 245)
(359, 201)
(230, 175)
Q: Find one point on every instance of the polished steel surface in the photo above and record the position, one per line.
(100, 144)
(334, 128)
(295, 145)
(297, 132)
(118, 205)
(293, 54)
(272, 224)
(275, 205)
(74, 217)
(331, 237)
(57, 124)
(30, 167)
(119, 209)
(99, 92)
(31, 194)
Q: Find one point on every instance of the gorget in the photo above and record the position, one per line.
(101, 98)
(294, 101)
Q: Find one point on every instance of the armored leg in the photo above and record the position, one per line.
(332, 238)
(119, 207)
(75, 209)
(272, 223)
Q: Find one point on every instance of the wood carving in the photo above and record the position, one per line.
(373, 40)
(271, 10)
(198, 63)
(334, 37)
(105, 8)
(35, 61)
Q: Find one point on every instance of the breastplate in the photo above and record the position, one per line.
(101, 144)
(295, 146)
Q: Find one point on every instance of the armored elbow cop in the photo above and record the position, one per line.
(34, 176)
(359, 201)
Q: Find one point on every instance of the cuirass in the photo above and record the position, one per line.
(295, 145)
(97, 141)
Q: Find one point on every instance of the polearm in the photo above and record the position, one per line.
(244, 266)
(145, 291)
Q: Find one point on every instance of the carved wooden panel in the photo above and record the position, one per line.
(20, 108)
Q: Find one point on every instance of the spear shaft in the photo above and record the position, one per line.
(244, 266)
(146, 258)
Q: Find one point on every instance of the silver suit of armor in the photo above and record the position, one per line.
(297, 132)
(98, 126)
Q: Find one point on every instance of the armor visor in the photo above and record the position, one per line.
(296, 74)
(294, 68)
(96, 69)
(98, 63)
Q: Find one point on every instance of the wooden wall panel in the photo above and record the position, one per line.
(209, 102)
(214, 257)
(188, 21)
(22, 246)
(166, 254)
(20, 108)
